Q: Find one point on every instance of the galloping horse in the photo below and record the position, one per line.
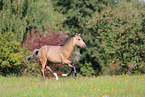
(58, 54)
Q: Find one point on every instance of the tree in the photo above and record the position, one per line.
(77, 12)
(20, 16)
(116, 38)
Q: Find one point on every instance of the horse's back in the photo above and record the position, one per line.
(52, 53)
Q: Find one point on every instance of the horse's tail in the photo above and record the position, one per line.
(33, 55)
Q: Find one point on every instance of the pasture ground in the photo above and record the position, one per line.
(101, 86)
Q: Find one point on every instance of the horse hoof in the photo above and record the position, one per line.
(55, 76)
(75, 74)
(63, 74)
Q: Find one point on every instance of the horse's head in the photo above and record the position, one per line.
(79, 41)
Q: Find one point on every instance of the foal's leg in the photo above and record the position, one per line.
(69, 72)
(73, 67)
(43, 62)
(47, 67)
(69, 64)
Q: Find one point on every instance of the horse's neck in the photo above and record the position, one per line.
(68, 48)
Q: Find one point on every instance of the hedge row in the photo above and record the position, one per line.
(113, 31)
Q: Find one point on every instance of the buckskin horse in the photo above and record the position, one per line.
(58, 54)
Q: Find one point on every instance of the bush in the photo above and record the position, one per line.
(10, 54)
(87, 70)
(37, 38)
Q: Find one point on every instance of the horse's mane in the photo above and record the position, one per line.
(67, 39)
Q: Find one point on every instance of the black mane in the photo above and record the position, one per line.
(67, 40)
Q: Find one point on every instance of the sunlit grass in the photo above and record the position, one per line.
(101, 86)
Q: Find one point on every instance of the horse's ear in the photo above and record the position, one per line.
(79, 34)
(76, 34)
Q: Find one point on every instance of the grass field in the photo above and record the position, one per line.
(101, 86)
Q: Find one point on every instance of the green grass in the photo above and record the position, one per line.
(108, 86)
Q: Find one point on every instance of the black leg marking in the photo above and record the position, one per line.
(70, 72)
(74, 69)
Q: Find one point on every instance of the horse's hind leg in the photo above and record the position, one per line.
(47, 67)
(43, 62)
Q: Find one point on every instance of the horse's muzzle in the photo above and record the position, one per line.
(84, 46)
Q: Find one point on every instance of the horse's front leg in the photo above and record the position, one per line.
(69, 64)
(69, 72)
(72, 66)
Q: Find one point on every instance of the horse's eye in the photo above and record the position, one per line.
(78, 39)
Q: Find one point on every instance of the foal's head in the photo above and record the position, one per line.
(79, 41)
